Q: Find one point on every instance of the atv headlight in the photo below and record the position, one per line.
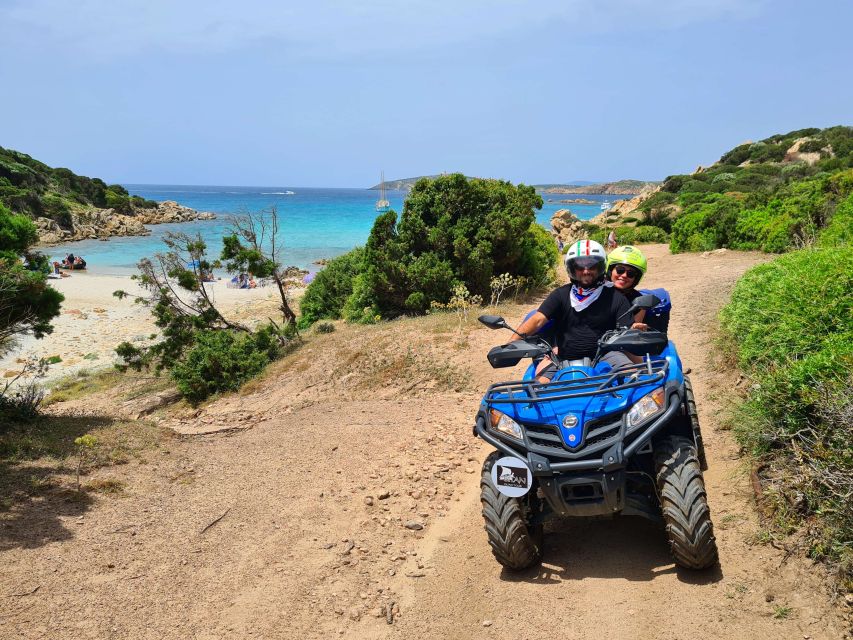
(646, 407)
(506, 425)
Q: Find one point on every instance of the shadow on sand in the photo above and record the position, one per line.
(36, 488)
(623, 548)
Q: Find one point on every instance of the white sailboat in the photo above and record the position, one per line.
(606, 206)
(382, 204)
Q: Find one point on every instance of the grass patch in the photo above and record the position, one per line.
(110, 486)
(782, 612)
(82, 384)
(53, 437)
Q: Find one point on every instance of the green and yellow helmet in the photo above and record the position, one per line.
(630, 256)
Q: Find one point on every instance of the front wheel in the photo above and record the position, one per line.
(684, 503)
(515, 543)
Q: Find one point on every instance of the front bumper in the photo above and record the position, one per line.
(593, 486)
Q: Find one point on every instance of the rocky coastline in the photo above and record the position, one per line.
(93, 223)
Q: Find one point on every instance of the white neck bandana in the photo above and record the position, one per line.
(581, 298)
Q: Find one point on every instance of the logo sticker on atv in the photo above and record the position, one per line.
(512, 477)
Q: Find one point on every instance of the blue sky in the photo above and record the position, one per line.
(328, 93)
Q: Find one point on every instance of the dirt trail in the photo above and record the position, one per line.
(353, 498)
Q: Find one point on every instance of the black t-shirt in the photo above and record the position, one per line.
(578, 331)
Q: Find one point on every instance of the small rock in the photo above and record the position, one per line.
(414, 525)
(469, 469)
(384, 495)
(354, 613)
(368, 500)
(487, 623)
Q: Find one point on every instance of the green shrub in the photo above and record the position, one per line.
(780, 309)
(324, 327)
(57, 209)
(118, 201)
(839, 231)
(328, 291)
(642, 234)
(790, 322)
(452, 231)
(142, 203)
(223, 361)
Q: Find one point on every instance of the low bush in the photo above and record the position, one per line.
(839, 229)
(222, 361)
(790, 322)
(642, 234)
(330, 288)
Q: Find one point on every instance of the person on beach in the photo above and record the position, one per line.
(57, 274)
(581, 311)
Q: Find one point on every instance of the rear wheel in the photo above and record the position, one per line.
(684, 503)
(693, 416)
(515, 543)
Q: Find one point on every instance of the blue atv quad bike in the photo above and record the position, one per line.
(593, 441)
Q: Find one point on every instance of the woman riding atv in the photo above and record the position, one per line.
(626, 266)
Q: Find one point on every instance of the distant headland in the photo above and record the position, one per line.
(618, 188)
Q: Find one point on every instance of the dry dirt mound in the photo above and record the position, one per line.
(344, 496)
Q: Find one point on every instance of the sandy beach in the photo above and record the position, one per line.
(93, 322)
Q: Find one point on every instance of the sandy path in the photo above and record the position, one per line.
(615, 579)
(322, 503)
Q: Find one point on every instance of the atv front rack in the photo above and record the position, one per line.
(625, 377)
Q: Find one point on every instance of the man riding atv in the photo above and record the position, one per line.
(586, 432)
(581, 312)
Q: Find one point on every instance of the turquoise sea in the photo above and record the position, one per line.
(315, 223)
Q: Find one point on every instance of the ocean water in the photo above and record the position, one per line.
(314, 223)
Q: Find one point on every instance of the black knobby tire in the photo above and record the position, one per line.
(693, 416)
(684, 503)
(515, 544)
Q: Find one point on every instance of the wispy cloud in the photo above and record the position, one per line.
(326, 28)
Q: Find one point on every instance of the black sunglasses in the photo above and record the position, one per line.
(622, 270)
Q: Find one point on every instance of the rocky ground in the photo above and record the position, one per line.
(338, 497)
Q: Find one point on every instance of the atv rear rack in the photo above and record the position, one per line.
(529, 391)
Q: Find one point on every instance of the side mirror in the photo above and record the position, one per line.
(648, 301)
(494, 322)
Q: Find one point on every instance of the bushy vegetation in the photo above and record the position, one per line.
(758, 196)
(223, 360)
(204, 351)
(643, 234)
(454, 231)
(790, 325)
(327, 294)
(30, 187)
(27, 303)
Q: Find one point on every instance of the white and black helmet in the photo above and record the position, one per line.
(584, 251)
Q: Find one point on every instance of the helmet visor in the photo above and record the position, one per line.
(586, 263)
